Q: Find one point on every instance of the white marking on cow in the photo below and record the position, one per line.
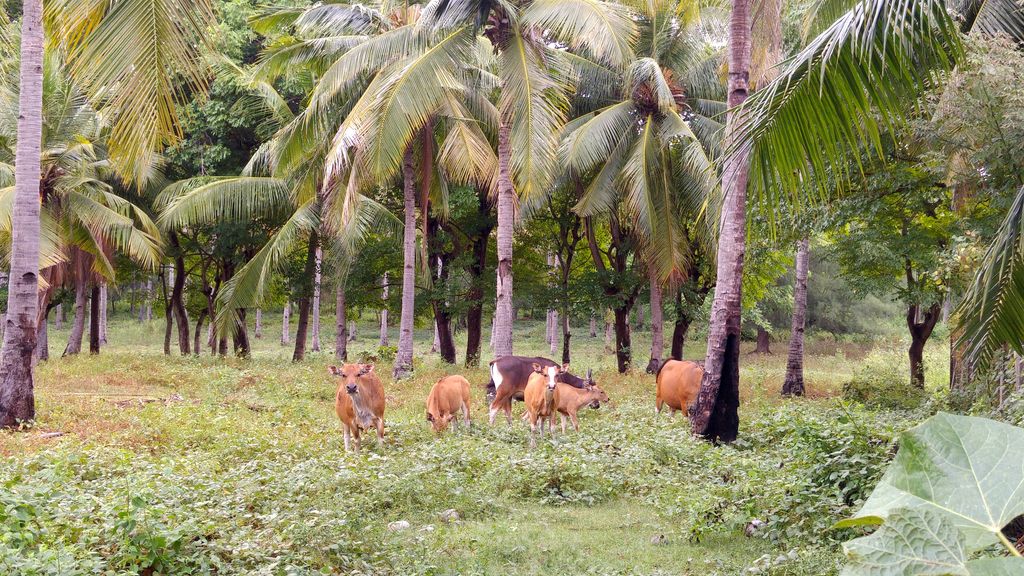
(551, 370)
(496, 376)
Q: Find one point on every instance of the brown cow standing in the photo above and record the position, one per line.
(678, 383)
(569, 400)
(509, 375)
(540, 398)
(448, 397)
(359, 401)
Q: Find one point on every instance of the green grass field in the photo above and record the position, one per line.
(171, 465)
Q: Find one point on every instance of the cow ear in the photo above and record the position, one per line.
(333, 370)
(366, 369)
(537, 368)
(565, 367)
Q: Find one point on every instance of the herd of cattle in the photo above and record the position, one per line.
(545, 387)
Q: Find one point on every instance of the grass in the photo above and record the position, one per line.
(171, 465)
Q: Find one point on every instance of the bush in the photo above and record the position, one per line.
(883, 383)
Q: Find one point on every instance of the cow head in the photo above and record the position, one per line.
(601, 396)
(349, 373)
(439, 423)
(549, 372)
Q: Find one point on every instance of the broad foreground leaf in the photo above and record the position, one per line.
(968, 470)
(919, 542)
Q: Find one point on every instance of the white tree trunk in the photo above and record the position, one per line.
(504, 315)
(103, 313)
(149, 299)
(352, 330)
(58, 320)
(17, 398)
(259, 323)
(317, 277)
(340, 324)
(286, 315)
(794, 381)
(593, 326)
(403, 357)
(384, 313)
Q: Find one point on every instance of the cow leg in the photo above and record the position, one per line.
(533, 431)
(562, 418)
(575, 421)
(465, 415)
(657, 408)
(508, 411)
(355, 438)
(348, 439)
(380, 431)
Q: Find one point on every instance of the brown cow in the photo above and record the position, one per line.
(449, 396)
(568, 401)
(678, 383)
(540, 398)
(359, 401)
(509, 375)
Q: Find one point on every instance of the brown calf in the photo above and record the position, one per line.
(568, 401)
(678, 383)
(449, 396)
(540, 398)
(359, 401)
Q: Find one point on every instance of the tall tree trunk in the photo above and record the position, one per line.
(352, 326)
(149, 300)
(302, 327)
(259, 323)
(793, 385)
(94, 320)
(43, 339)
(764, 340)
(240, 336)
(78, 324)
(715, 413)
(442, 316)
(178, 296)
(475, 311)
(549, 327)
(403, 358)
(286, 315)
(920, 326)
(503, 313)
(384, 312)
(639, 317)
(317, 276)
(17, 395)
(593, 326)
(103, 313)
(609, 333)
(657, 327)
(197, 339)
(623, 339)
(566, 336)
(340, 323)
(59, 317)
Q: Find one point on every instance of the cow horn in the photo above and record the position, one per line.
(590, 373)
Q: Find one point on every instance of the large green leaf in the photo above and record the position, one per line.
(919, 542)
(968, 470)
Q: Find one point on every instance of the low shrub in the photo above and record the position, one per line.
(883, 383)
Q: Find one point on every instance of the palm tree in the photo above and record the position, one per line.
(134, 74)
(793, 385)
(533, 73)
(647, 153)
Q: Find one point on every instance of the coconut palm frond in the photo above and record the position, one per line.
(992, 312)
(537, 106)
(209, 200)
(593, 141)
(837, 95)
(139, 59)
(604, 29)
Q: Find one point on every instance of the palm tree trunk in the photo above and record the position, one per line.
(94, 320)
(42, 351)
(103, 313)
(793, 385)
(403, 359)
(340, 324)
(78, 324)
(259, 323)
(149, 300)
(17, 396)
(58, 317)
(197, 338)
(316, 298)
(240, 336)
(302, 327)
(384, 313)
(503, 314)
(657, 327)
(715, 413)
(593, 326)
(352, 330)
(286, 315)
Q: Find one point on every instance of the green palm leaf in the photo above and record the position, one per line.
(208, 200)
(604, 29)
